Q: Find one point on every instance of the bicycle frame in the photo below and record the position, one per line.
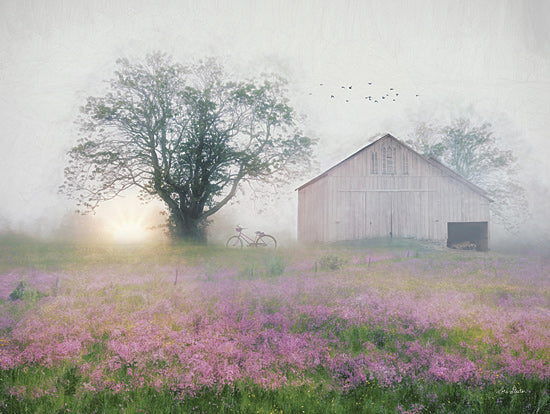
(247, 239)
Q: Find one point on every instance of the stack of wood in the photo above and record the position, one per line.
(466, 245)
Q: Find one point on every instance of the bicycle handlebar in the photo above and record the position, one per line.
(238, 229)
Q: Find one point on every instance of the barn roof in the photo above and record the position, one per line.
(430, 160)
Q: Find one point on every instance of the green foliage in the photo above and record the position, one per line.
(19, 291)
(331, 261)
(263, 265)
(357, 336)
(96, 350)
(517, 395)
(275, 265)
(69, 380)
(24, 291)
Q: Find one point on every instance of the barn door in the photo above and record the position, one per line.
(350, 217)
(468, 235)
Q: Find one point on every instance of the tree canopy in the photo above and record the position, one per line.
(186, 134)
(472, 150)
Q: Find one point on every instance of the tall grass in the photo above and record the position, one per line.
(374, 328)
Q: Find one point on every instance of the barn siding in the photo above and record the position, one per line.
(349, 202)
(312, 213)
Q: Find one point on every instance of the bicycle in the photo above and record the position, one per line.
(261, 240)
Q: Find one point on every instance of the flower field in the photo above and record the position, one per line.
(398, 328)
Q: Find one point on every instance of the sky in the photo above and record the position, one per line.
(488, 60)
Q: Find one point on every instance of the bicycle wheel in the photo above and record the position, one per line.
(234, 242)
(266, 241)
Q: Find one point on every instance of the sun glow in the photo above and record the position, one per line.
(129, 230)
(127, 221)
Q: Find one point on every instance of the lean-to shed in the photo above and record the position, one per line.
(387, 189)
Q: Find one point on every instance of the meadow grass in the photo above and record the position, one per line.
(370, 327)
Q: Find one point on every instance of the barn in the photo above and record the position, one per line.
(387, 189)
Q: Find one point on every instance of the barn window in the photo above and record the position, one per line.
(374, 162)
(388, 160)
(405, 163)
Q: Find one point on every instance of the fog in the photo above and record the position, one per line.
(488, 61)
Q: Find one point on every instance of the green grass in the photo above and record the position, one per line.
(520, 396)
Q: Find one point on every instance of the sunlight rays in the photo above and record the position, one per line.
(129, 230)
(128, 221)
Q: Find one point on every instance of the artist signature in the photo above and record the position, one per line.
(513, 390)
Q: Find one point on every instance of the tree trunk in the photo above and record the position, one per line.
(185, 228)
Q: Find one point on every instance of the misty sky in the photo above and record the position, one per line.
(489, 60)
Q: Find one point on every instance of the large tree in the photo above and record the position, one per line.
(186, 134)
(473, 151)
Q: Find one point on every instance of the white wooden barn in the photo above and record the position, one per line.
(387, 189)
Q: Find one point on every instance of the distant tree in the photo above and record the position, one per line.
(473, 152)
(185, 134)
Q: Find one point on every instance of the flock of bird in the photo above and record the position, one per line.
(388, 95)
